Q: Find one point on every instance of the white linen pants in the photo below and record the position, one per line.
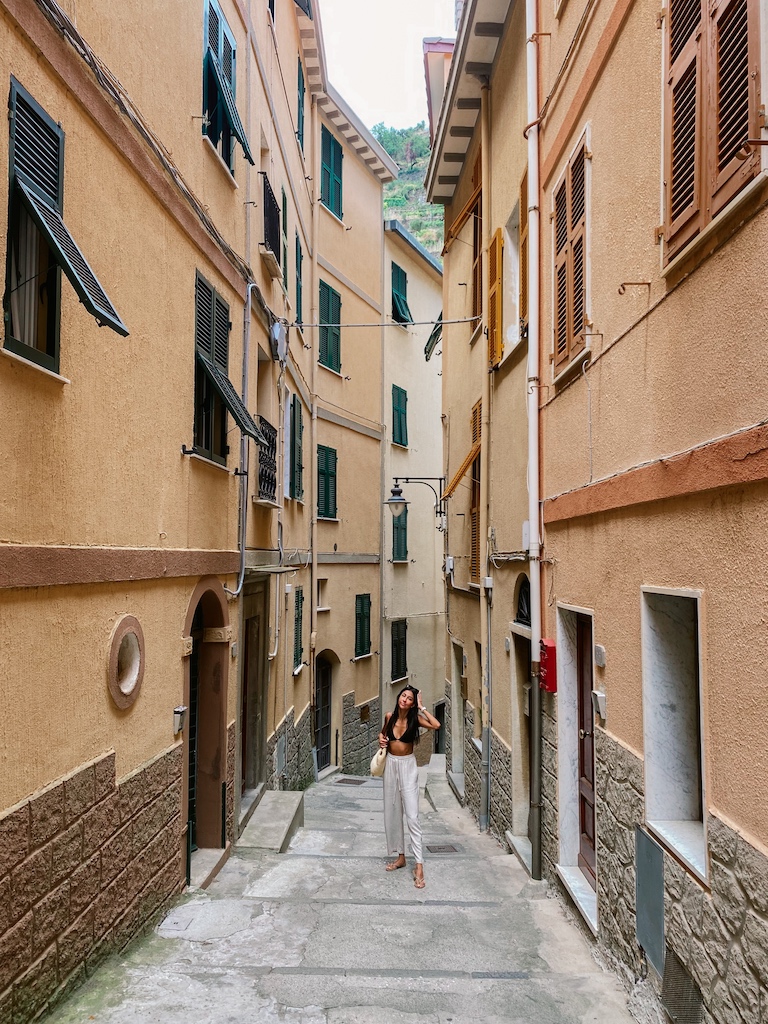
(401, 796)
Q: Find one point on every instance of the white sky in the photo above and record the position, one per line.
(375, 58)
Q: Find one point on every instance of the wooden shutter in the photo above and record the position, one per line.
(399, 649)
(477, 261)
(523, 289)
(325, 319)
(284, 225)
(204, 303)
(334, 331)
(400, 537)
(300, 106)
(362, 625)
(495, 300)
(474, 514)
(338, 159)
(299, 287)
(221, 329)
(734, 69)
(477, 421)
(298, 647)
(683, 120)
(296, 449)
(577, 241)
(326, 482)
(399, 415)
(561, 275)
(325, 169)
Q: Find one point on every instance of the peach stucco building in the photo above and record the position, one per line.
(631, 451)
(191, 520)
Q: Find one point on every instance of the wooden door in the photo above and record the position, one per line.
(587, 859)
(323, 713)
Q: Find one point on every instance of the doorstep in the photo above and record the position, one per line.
(205, 864)
(581, 892)
(521, 847)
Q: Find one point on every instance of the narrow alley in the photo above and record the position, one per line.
(323, 934)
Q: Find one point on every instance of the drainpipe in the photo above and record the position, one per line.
(485, 596)
(244, 441)
(532, 401)
(313, 418)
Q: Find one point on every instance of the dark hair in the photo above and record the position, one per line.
(411, 734)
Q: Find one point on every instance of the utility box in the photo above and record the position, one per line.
(548, 666)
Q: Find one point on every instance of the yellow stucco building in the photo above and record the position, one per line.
(191, 520)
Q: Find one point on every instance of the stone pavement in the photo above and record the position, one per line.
(323, 935)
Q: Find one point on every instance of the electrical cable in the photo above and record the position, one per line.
(394, 323)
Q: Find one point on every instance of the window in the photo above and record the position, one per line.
(300, 101)
(296, 448)
(271, 6)
(267, 462)
(221, 121)
(285, 242)
(330, 329)
(400, 537)
(298, 617)
(362, 625)
(39, 243)
(674, 798)
(401, 314)
(570, 224)
(322, 595)
(399, 649)
(214, 394)
(299, 289)
(712, 103)
(326, 482)
(330, 180)
(399, 416)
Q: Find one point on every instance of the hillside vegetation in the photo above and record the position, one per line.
(405, 199)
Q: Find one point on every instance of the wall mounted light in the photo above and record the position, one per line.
(179, 715)
(397, 503)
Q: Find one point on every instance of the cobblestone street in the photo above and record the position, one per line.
(322, 934)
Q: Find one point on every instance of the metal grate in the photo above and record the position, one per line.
(680, 996)
(447, 848)
(350, 782)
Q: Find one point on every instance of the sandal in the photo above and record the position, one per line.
(394, 866)
(418, 881)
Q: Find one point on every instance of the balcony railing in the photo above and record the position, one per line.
(271, 220)
(267, 463)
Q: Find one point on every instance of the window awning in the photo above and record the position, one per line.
(402, 312)
(306, 6)
(231, 399)
(71, 260)
(434, 338)
(473, 453)
(230, 106)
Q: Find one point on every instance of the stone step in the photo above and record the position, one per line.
(274, 822)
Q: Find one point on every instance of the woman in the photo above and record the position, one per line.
(401, 777)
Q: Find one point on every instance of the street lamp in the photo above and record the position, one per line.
(397, 503)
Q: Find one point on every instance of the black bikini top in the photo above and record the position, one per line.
(409, 736)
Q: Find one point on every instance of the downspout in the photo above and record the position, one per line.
(313, 422)
(244, 441)
(485, 593)
(281, 479)
(532, 401)
(383, 462)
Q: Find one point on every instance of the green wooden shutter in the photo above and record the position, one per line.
(326, 482)
(285, 241)
(330, 332)
(221, 328)
(399, 658)
(334, 332)
(338, 159)
(204, 303)
(300, 107)
(400, 312)
(298, 647)
(399, 416)
(325, 171)
(400, 537)
(299, 261)
(296, 488)
(362, 625)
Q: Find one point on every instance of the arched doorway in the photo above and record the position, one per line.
(205, 735)
(328, 712)
(521, 709)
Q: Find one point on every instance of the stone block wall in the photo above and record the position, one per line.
(299, 769)
(231, 764)
(85, 865)
(448, 726)
(472, 761)
(721, 935)
(359, 740)
(549, 800)
(619, 807)
(501, 787)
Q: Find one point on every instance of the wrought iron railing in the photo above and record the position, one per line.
(271, 220)
(268, 462)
